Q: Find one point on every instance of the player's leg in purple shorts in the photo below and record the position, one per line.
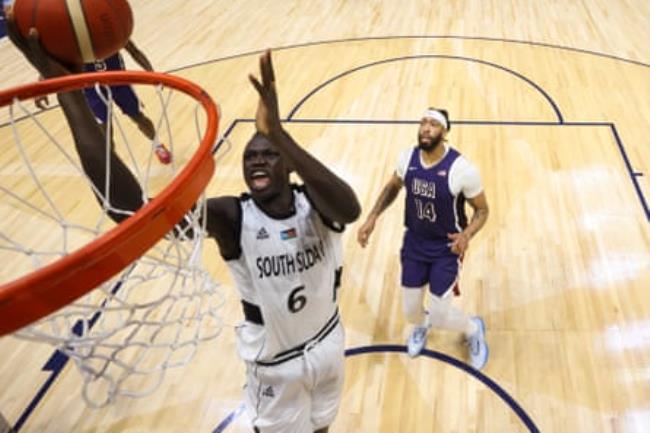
(443, 275)
(126, 99)
(415, 276)
(443, 278)
(415, 273)
(129, 103)
(96, 104)
(123, 96)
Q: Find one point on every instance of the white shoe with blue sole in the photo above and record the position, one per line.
(477, 346)
(417, 340)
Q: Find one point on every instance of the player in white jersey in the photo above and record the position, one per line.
(287, 281)
(438, 181)
(282, 244)
(288, 275)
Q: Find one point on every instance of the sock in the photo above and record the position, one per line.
(412, 303)
(443, 315)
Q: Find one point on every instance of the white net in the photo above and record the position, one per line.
(125, 334)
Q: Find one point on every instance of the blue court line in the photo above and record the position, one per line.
(632, 173)
(537, 87)
(57, 362)
(229, 419)
(393, 348)
(417, 122)
(398, 37)
(56, 365)
(225, 135)
(452, 122)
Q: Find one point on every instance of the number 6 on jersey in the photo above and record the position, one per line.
(296, 301)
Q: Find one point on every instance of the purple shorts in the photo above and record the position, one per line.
(123, 96)
(441, 273)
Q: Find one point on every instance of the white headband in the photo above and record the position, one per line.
(438, 116)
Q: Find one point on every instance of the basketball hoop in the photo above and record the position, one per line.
(152, 293)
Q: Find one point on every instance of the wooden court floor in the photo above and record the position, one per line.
(550, 100)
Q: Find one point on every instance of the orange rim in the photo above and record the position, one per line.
(51, 287)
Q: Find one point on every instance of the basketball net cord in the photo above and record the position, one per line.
(126, 333)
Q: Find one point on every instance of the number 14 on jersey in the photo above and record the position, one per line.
(425, 210)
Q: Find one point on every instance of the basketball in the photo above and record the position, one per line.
(77, 31)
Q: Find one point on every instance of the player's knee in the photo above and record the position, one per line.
(438, 310)
(413, 314)
(144, 124)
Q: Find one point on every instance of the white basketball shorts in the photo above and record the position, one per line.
(300, 395)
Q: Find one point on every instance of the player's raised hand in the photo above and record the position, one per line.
(33, 51)
(459, 242)
(267, 118)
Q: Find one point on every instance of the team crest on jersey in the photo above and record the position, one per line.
(268, 392)
(262, 234)
(442, 173)
(288, 234)
(100, 66)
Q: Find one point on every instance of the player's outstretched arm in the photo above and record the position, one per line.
(331, 195)
(386, 197)
(138, 56)
(125, 192)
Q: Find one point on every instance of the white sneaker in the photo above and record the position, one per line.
(417, 340)
(477, 347)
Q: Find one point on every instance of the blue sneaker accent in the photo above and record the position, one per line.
(417, 340)
(477, 346)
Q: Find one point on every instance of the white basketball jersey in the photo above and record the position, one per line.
(287, 268)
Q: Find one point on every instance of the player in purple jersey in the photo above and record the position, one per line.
(4, 4)
(438, 181)
(123, 96)
(3, 30)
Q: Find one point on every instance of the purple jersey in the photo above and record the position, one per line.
(432, 210)
(112, 63)
(123, 95)
(3, 28)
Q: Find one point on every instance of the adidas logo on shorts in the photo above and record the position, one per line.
(262, 234)
(268, 392)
